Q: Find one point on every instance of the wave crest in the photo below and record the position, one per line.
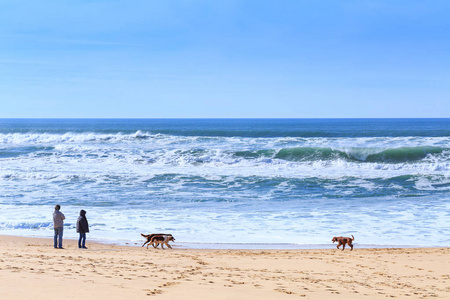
(374, 155)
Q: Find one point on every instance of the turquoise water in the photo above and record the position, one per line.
(272, 181)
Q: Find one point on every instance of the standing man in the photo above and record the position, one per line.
(58, 225)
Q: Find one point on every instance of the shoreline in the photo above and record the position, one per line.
(239, 246)
(31, 266)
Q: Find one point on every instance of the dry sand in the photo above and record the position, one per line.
(31, 269)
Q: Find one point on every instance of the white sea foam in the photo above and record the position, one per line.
(144, 137)
(396, 223)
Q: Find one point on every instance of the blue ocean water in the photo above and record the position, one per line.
(277, 182)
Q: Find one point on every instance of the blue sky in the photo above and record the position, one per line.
(224, 59)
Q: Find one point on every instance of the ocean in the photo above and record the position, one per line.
(230, 183)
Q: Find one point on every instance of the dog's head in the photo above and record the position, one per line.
(335, 239)
(171, 238)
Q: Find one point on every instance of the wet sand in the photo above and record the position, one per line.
(32, 268)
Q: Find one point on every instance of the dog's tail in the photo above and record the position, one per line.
(145, 235)
(353, 238)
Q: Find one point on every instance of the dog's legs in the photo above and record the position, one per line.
(338, 245)
(351, 246)
(343, 246)
(169, 246)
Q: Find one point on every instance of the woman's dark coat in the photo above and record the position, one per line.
(82, 223)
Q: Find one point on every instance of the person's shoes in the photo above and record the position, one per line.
(84, 247)
(60, 248)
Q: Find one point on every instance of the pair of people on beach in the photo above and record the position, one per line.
(58, 224)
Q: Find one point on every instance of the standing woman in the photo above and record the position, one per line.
(82, 228)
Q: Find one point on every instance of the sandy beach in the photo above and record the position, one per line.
(32, 268)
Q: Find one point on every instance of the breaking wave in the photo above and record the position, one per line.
(393, 155)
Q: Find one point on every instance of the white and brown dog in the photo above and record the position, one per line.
(162, 239)
(149, 237)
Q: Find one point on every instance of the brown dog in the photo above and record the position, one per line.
(150, 236)
(162, 240)
(343, 240)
